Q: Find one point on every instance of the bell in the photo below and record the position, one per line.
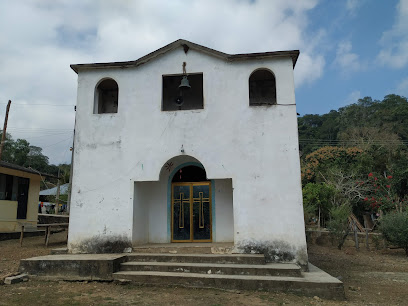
(184, 84)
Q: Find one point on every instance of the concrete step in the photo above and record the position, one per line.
(255, 259)
(270, 269)
(320, 284)
(185, 248)
(59, 251)
(174, 250)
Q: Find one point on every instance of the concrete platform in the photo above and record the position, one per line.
(73, 266)
(219, 271)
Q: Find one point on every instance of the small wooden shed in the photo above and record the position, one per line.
(19, 193)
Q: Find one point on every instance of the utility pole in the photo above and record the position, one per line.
(58, 194)
(3, 137)
(72, 169)
(70, 178)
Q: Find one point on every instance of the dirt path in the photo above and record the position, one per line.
(370, 278)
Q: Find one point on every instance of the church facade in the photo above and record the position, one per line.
(188, 145)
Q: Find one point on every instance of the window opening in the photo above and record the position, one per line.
(262, 88)
(8, 187)
(183, 91)
(190, 174)
(106, 97)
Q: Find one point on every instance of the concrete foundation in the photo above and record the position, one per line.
(221, 271)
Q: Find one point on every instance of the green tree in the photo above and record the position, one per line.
(20, 151)
(35, 158)
(338, 225)
(394, 227)
(318, 199)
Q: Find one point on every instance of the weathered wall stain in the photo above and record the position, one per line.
(116, 143)
(275, 251)
(101, 244)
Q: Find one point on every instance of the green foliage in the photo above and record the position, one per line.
(20, 152)
(377, 131)
(394, 227)
(390, 114)
(319, 162)
(338, 225)
(318, 197)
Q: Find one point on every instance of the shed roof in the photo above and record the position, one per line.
(24, 169)
(53, 191)
(293, 54)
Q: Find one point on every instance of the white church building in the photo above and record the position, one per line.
(188, 145)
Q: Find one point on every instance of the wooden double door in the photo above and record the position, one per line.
(191, 212)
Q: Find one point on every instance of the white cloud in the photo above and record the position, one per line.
(402, 88)
(394, 42)
(352, 97)
(40, 39)
(345, 59)
(352, 6)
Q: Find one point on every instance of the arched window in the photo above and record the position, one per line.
(106, 97)
(262, 88)
(190, 174)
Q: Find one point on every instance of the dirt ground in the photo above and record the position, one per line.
(370, 278)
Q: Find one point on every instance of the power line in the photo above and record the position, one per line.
(40, 104)
(37, 129)
(325, 142)
(57, 143)
(47, 135)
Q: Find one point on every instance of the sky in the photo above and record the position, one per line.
(349, 49)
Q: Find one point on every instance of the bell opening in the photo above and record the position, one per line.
(176, 96)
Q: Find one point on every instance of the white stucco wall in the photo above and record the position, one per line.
(224, 214)
(256, 147)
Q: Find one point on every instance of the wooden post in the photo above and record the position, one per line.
(3, 137)
(47, 235)
(355, 235)
(367, 244)
(22, 235)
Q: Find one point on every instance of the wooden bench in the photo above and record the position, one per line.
(47, 231)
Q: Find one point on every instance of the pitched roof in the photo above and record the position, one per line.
(294, 54)
(23, 169)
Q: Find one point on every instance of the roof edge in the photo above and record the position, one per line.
(24, 169)
(294, 54)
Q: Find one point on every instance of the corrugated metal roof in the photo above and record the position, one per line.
(53, 191)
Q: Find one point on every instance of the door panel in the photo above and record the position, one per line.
(22, 198)
(191, 212)
(201, 212)
(181, 213)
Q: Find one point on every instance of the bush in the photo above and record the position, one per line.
(338, 224)
(317, 201)
(394, 227)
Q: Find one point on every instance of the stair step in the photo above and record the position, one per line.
(269, 269)
(251, 259)
(320, 286)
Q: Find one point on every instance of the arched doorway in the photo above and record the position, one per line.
(191, 214)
